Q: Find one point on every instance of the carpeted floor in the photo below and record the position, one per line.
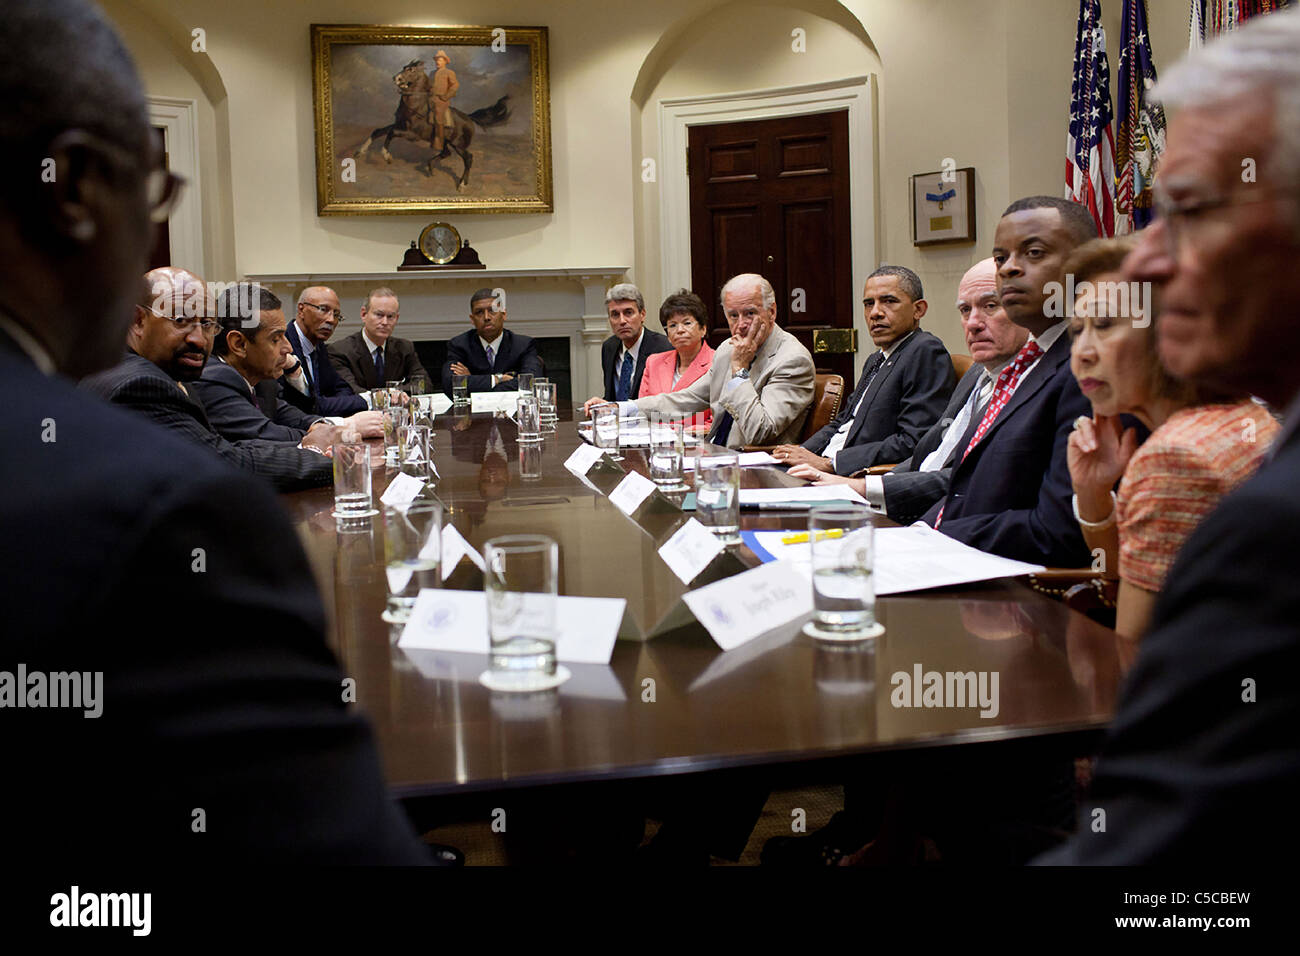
(482, 847)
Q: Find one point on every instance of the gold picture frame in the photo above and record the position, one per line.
(386, 104)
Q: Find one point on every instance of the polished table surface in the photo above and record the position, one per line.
(782, 699)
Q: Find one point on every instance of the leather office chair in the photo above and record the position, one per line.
(828, 392)
(961, 365)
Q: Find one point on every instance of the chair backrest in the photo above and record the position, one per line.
(961, 365)
(828, 392)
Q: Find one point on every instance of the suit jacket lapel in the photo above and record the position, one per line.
(886, 368)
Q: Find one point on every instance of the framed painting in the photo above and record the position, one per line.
(431, 119)
(943, 207)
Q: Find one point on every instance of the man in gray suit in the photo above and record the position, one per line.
(760, 385)
(907, 492)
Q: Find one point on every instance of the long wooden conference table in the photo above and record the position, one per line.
(673, 703)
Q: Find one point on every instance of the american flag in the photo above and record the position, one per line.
(1090, 146)
(1140, 126)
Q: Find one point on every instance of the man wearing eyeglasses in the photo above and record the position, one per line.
(1202, 764)
(168, 345)
(312, 382)
(132, 553)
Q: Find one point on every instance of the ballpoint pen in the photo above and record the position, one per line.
(801, 537)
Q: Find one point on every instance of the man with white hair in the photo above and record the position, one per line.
(760, 385)
(1201, 765)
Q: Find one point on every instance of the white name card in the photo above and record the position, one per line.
(401, 491)
(740, 608)
(631, 491)
(586, 628)
(583, 457)
(455, 547)
(689, 550)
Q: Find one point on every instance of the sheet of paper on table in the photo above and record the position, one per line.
(457, 621)
(592, 681)
(908, 559)
(801, 495)
(746, 459)
(493, 401)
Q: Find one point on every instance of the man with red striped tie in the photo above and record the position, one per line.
(1010, 487)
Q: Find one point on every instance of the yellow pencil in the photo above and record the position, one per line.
(801, 537)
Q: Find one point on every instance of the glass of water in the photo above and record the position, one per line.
(394, 418)
(417, 386)
(717, 496)
(530, 462)
(460, 390)
(412, 554)
(528, 419)
(604, 430)
(545, 392)
(525, 380)
(521, 580)
(840, 537)
(666, 444)
(415, 441)
(352, 480)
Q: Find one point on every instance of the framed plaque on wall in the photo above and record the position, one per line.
(943, 207)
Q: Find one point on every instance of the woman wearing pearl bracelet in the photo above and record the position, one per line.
(1203, 443)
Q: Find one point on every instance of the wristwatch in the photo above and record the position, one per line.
(743, 373)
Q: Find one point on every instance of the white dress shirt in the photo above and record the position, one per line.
(836, 444)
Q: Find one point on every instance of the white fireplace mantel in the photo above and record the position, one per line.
(568, 302)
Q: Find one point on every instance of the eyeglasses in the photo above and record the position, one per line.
(1184, 217)
(186, 324)
(163, 188)
(324, 310)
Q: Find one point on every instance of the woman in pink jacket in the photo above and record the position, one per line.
(685, 322)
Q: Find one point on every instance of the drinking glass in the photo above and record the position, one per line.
(604, 430)
(717, 496)
(521, 582)
(352, 480)
(545, 392)
(530, 462)
(415, 441)
(412, 552)
(417, 386)
(460, 390)
(527, 419)
(666, 455)
(844, 598)
(381, 398)
(525, 380)
(394, 418)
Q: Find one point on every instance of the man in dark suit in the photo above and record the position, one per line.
(373, 357)
(490, 354)
(140, 562)
(311, 383)
(905, 384)
(623, 354)
(908, 491)
(165, 357)
(238, 387)
(1201, 765)
(1010, 491)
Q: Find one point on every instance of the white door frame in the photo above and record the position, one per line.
(677, 115)
(179, 118)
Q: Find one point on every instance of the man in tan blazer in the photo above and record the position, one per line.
(445, 86)
(760, 385)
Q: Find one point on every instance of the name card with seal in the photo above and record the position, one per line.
(401, 491)
(631, 491)
(689, 550)
(455, 547)
(583, 457)
(586, 628)
(745, 606)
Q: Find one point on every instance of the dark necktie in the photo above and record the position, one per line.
(379, 367)
(624, 378)
(491, 357)
(315, 378)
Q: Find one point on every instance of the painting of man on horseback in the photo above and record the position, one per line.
(495, 156)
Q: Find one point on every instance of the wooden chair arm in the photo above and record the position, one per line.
(879, 469)
(1092, 595)
(766, 448)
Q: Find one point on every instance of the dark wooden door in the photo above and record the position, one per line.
(161, 253)
(772, 197)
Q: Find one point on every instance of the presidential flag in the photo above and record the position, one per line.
(1090, 145)
(1209, 18)
(1140, 126)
